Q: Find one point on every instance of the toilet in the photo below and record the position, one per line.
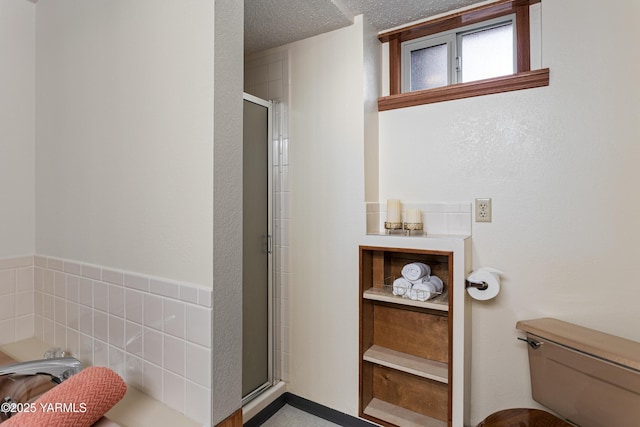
(586, 377)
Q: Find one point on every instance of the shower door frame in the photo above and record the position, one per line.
(270, 252)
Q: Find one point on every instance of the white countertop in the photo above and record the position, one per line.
(136, 409)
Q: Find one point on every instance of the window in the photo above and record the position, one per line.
(476, 52)
(466, 54)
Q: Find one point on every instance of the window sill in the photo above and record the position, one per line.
(519, 81)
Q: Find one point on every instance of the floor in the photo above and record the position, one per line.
(289, 416)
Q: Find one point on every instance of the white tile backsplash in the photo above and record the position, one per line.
(196, 358)
(134, 281)
(73, 288)
(152, 309)
(133, 335)
(55, 264)
(133, 303)
(101, 325)
(113, 276)
(100, 353)
(174, 390)
(24, 279)
(91, 271)
(155, 333)
(197, 401)
(24, 303)
(72, 315)
(24, 327)
(152, 346)
(134, 371)
(59, 285)
(85, 291)
(73, 268)
(167, 289)
(175, 318)
(440, 218)
(196, 317)
(116, 300)
(60, 310)
(152, 380)
(7, 282)
(7, 331)
(188, 294)
(116, 331)
(174, 354)
(8, 302)
(101, 296)
(204, 298)
(48, 285)
(117, 361)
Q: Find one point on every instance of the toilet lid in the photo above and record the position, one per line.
(523, 417)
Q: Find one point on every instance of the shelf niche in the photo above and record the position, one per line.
(405, 345)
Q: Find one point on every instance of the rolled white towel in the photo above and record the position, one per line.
(401, 287)
(422, 291)
(415, 271)
(425, 279)
(437, 283)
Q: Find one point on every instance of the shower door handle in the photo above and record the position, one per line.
(267, 240)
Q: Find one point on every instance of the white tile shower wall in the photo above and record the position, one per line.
(447, 218)
(16, 291)
(267, 77)
(155, 333)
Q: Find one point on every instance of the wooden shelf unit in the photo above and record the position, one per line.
(405, 345)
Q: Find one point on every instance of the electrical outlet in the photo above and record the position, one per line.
(483, 210)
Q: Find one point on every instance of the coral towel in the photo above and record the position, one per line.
(79, 401)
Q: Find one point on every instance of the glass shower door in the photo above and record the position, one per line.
(257, 299)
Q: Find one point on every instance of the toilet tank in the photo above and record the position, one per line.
(590, 378)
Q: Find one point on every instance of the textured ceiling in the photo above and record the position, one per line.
(271, 23)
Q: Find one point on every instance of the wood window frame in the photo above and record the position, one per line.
(524, 77)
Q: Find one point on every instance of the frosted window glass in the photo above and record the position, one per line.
(487, 53)
(429, 67)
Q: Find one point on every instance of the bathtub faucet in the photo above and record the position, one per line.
(59, 369)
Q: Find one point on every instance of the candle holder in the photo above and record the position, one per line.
(389, 226)
(408, 227)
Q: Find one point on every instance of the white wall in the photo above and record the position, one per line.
(326, 181)
(17, 121)
(133, 151)
(124, 135)
(227, 201)
(561, 164)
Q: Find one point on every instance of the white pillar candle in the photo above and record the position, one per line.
(393, 211)
(414, 216)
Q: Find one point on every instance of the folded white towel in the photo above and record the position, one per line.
(415, 271)
(422, 291)
(401, 286)
(437, 283)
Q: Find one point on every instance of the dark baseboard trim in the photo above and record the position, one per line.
(306, 405)
(325, 412)
(267, 412)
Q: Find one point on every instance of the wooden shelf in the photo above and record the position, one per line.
(419, 366)
(405, 345)
(378, 294)
(399, 416)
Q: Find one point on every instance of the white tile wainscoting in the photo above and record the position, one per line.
(155, 333)
(16, 292)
